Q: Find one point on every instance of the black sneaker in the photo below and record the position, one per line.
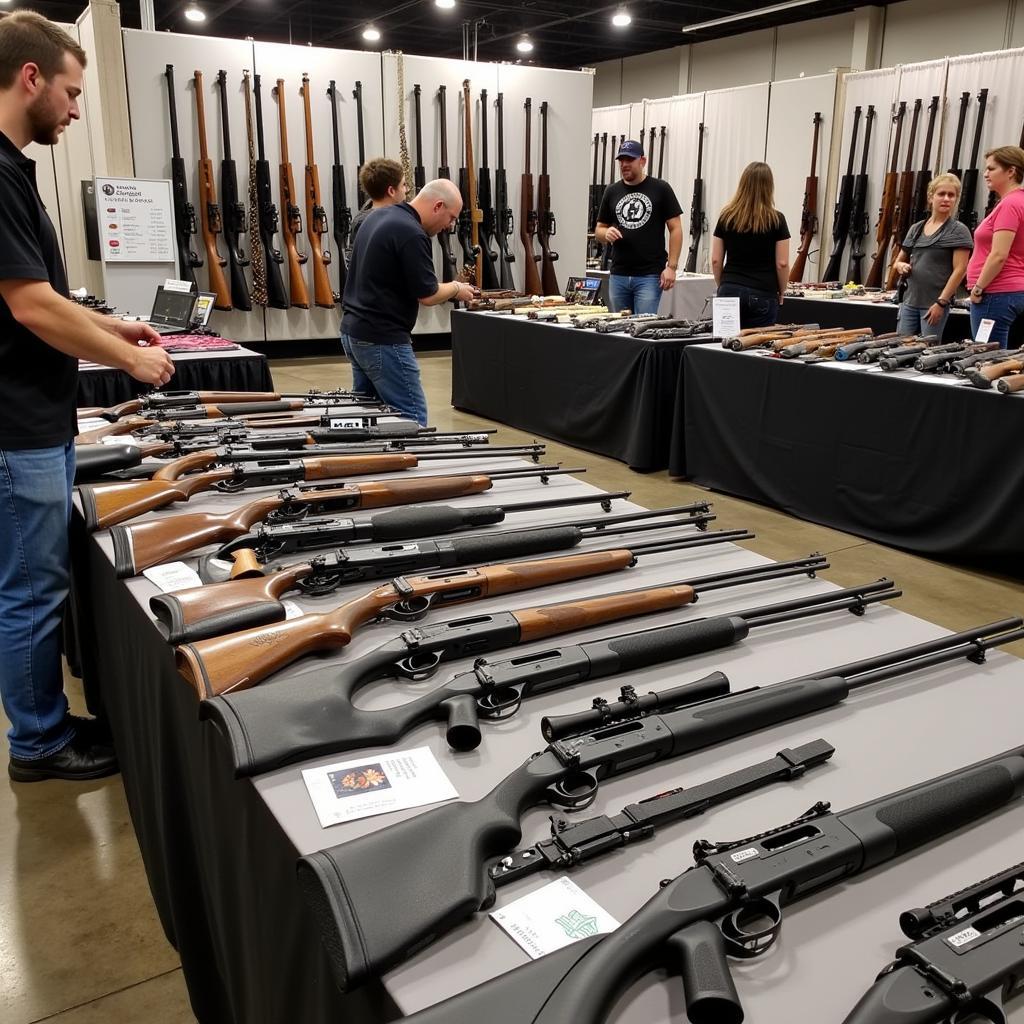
(79, 760)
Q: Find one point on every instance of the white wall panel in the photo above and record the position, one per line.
(920, 30)
(650, 74)
(733, 61)
(811, 48)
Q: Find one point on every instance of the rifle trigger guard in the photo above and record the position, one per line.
(500, 703)
(576, 792)
(752, 928)
(319, 583)
(410, 609)
(418, 665)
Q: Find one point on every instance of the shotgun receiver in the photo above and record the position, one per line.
(887, 208)
(210, 218)
(809, 212)
(844, 208)
(528, 216)
(316, 215)
(277, 297)
(234, 211)
(339, 199)
(184, 211)
(696, 205)
(904, 200)
(291, 222)
(546, 224)
(376, 904)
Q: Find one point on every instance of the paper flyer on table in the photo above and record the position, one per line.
(366, 786)
(552, 917)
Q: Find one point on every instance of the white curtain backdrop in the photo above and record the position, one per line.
(681, 116)
(921, 82)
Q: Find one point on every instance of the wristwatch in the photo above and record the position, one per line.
(944, 303)
(977, 292)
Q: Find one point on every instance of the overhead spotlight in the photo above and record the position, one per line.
(525, 45)
(446, 5)
(194, 13)
(621, 18)
(371, 34)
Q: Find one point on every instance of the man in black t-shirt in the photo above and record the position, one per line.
(634, 215)
(42, 336)
(391, 275)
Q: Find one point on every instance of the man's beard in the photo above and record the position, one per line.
(44, 121)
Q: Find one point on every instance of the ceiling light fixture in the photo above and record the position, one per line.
(621, 18)
(193, 13)
(445, 5)
(744, 15)
(525, 45)
(371, 34)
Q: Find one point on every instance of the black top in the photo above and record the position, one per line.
(639, 212)
(38, 383)
(392, 267)
(750, 256)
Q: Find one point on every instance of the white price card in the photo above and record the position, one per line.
(984, 331)
(376, 785)
(725, 317)
(91, 423)
(553, 917)
(173, 576)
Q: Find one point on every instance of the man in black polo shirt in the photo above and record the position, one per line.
(42, 336)
(391, 275)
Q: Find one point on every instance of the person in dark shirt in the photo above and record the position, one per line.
(391, 275)
(750, 248)
(634, 214)
(42, 336)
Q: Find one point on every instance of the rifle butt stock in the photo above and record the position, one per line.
(107, 505)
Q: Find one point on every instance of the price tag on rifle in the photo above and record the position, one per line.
(173, 576)
(350, 423)
(552, 917)
(725, 317)
(984, 331)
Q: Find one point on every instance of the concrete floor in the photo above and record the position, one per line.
(80, 942)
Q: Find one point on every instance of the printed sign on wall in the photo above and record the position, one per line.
(136, 220)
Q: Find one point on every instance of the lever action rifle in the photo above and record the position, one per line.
(376, 905)
(139, 546)
(470, 218)
(357, 95)
(210, 218)
(904, 200)
(277, 297)
(184, 211)
(546, 224)
(970, 178)
(488, 226)
(696, 205)
(444, 238)
(919, 204)
(844, 208)
(234, 211)
(316, 215)
(240, 660)
(860, 221)
(728, 904)
(291, 222)
(339, 198)
(501, 205)
(809, 212)
(965, 954)
(887, 208)
(528, 216)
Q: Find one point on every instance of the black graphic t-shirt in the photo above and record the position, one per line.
(639, 212)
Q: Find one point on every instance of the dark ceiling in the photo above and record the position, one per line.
(565, 33)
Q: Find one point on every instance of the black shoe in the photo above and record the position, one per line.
(79, 760)
(93, 731)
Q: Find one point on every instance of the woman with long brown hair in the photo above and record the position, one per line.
(750, 248)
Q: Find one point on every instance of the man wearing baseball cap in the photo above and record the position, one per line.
(634, 214)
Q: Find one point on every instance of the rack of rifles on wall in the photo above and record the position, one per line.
(277, 266)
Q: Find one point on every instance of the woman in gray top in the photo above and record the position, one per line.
(933, 261)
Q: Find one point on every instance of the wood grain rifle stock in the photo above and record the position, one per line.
(754, 338)
(167, 401)
(291, 215)
(1011, 384)
(887, 208)
(316, 214)
(210, 217)
(985, 376)
(904, 200)
(528, 217)
(809, 213)
(793, 348)
(475, 213)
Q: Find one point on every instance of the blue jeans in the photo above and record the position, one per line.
(1003, 307)
(912, 320)
(640, 294)
(757, 309)
(360, 382)
(35, 508)
(394, 374)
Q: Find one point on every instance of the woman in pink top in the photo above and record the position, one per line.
(995, 274)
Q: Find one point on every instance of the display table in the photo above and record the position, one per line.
(608, 393)
(690, 298)
(238, 370)
(853, 313)
(912, 460)
(220, 853)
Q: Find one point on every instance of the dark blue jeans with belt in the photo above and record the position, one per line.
(757, 309)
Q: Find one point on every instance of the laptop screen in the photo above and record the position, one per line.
(172, 309)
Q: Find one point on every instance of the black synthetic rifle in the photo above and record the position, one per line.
(390, 905)
(661, 152)
(696, 206)
(730, 904)
(958, 141)
(970, 177)
(404, 437)
(860, 221)
(231, 207)
(606, 256)
(357, 95)
(341, 211)
(843, 215)
(419, 173)
(592, 212)
(650, 145)
(485, 200)
(503, 212)
(966, 957)
(444, 238)
(265, 730)
(887, 206)
(184, 211)
(546, 223)
(919, 209)
(943, 362)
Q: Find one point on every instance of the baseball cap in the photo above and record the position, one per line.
(630, 149)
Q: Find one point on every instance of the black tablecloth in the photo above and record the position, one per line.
(240, 370)
(222, 873)
(607, 393)
(879, 316)
(929, 468)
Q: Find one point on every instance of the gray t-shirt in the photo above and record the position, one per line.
(931, 257)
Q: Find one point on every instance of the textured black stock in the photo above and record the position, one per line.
(654, 646)
(171, 621)
(698, 957)
(494, 547)
(93, 460)
(422, 522)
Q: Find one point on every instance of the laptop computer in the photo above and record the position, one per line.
(172, 311)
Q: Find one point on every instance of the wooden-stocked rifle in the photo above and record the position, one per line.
(184, 211)
(209, 210)
(809, 212)
(887, 208)
(970, 177)
(502, 210)
(860, 220)
(291, 215)
(340, 210)
(904, 200)
(546, 223)
(471, 216)
(488, 220)
(528, 217)
(166, 403)
(444, 238)
(316, 215)
(843, 213)
(696, 205)
(234, 211)
(919, 203)
(276, 296)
